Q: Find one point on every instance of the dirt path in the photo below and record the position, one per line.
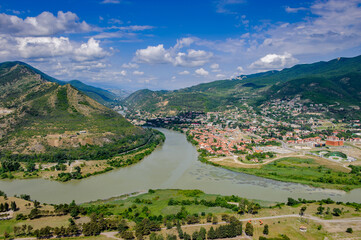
(110, 235)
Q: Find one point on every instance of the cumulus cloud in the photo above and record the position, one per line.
(274, 61)
(184, 72)
(50, 47)
(239, 68)
(215, 66)
(153, 55)
(138, 73)
(90, 51)
(201, 72)
(130, 65)
(184, 42)
(160, 55)
(45, 24)
(41, 47)
(220, 76)
(123, 73)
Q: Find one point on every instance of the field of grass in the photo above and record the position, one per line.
(314, 172)
(157, 203)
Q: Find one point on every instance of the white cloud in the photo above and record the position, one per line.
(193, 58)
(160, 55)
(274, 61)
(184, 73)
(135, 28)
(130, 65)
(226, 6)
(45, 24)
(90, 51)
(215, 66)
(239, 68)
(110, 1)
(40, 48)
(123, 73)
(138, 73)
(294, 10)
(201, 72)
(220, 76)
(153, 55)
(184, 42)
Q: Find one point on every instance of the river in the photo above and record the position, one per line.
(172, 165)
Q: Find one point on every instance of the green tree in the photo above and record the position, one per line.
(13, 206)
(249, 229)
(211, 234)
(215, 220)
(265, 229)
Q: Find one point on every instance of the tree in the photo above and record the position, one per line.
(13, 206)
(6, 207)
(320, 210)
(349, 230)
(30, 166)
(202, 233)
(249, 229)
(209, 217)
(211, 234)
(337, 212)
(265, 229)
(127, 235)
(302, 210)
(74, 212)
(122, 227)
(215, 220)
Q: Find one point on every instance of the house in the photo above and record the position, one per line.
(334, 141)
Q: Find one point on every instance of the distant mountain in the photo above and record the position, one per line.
(37, 115)
(100, 95)
(334, 82)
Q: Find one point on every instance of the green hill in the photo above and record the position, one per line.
(334, 82)
(55, 121)
(100, 95)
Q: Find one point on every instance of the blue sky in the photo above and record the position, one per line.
(132, 44)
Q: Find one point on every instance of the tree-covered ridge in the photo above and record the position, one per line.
(38, 116)
(100, 95)
(334, 82)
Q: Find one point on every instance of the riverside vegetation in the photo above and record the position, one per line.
(44, 122)
(177, 214)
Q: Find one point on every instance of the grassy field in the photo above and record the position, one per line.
(316, 172)
(157, 203)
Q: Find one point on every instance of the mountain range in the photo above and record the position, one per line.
(39, 114)
(336, 82)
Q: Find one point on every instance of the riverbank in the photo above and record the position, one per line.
(308, 170)
(173, 165)
(304, 170)
(64, 170)
(165, 212)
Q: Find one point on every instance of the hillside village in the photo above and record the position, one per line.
(277, 128)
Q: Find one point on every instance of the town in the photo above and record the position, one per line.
(279, 128)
